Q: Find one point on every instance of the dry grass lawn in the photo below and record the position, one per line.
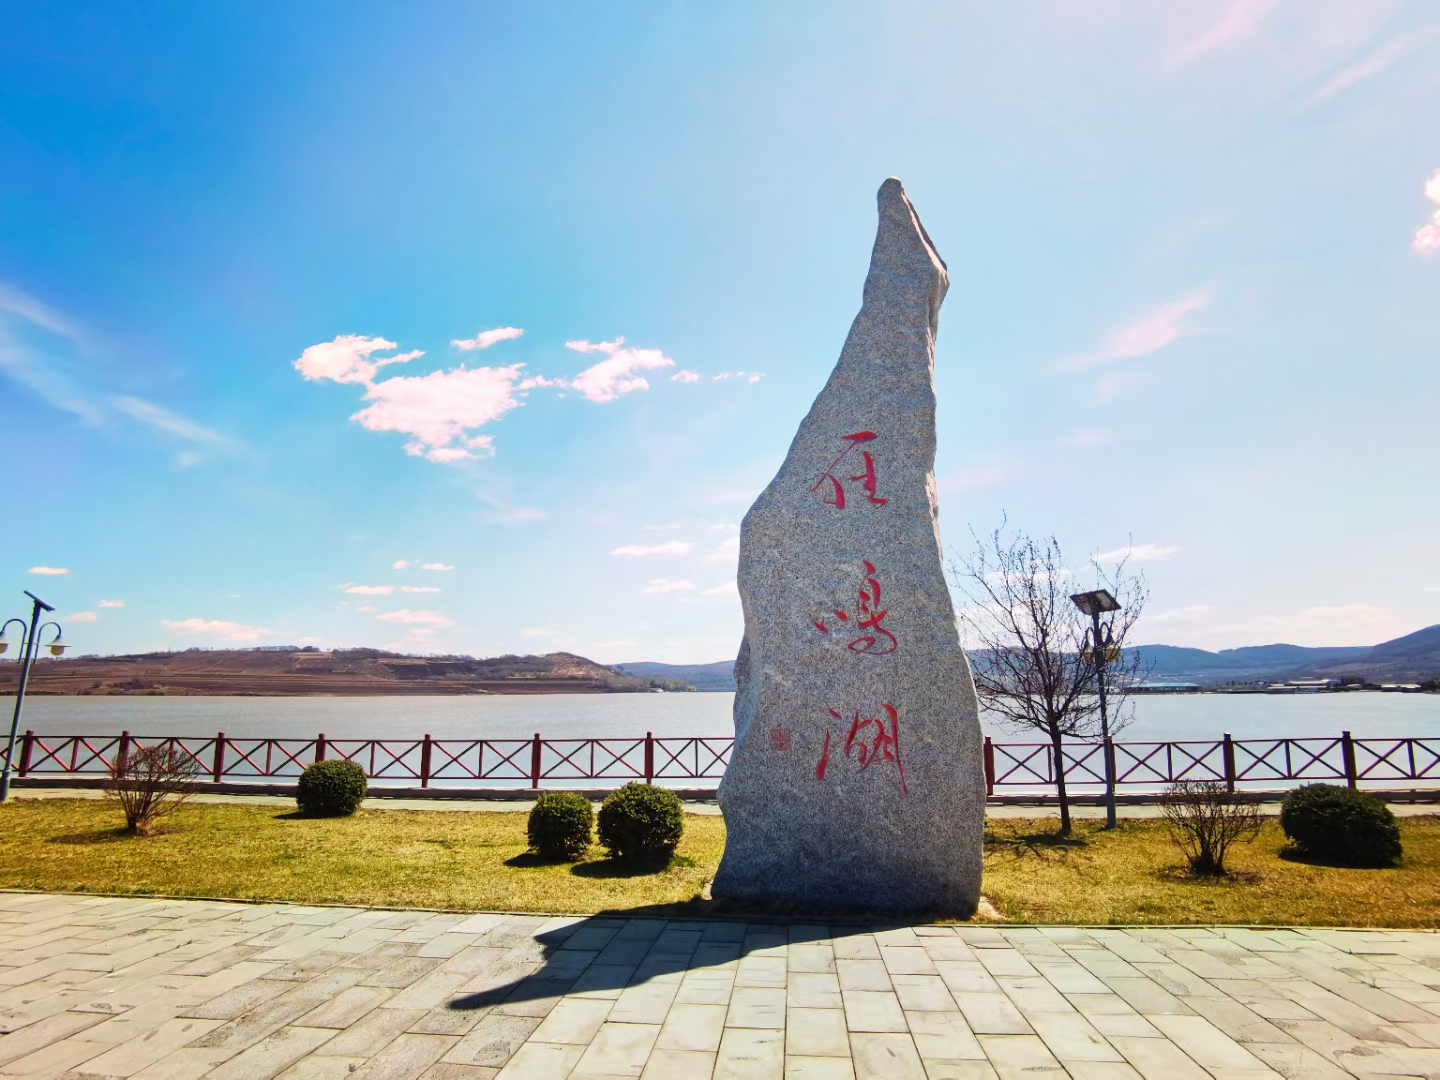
(476, 861)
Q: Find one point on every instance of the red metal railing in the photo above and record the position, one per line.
(535, 762)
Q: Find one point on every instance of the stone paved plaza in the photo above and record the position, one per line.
(98, 987)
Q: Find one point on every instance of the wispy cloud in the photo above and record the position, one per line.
(401, 564)
(616, 374)
(748, 376)
(369, 590)
(685, 376)
(49, 571)
(171, 423)
(419, 588)
(218, 628)
(1427, 237)
(1138, 553)
(416, 618)
(110, 603)
(727, 551)
(80, 617)
(347, 359)
(661, 586)
(436, 566)
(1239, 21)
(1368, 67)
(1149, 334)
(486, 338)
(670, 547)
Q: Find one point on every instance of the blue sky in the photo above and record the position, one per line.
(1194, 273)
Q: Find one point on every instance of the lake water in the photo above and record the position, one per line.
(561, 716)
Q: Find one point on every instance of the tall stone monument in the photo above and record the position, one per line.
(856, 779)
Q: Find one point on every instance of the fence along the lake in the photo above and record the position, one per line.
(539, 762)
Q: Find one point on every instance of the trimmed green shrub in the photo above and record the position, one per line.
(331, 788)
(560, 825)
(641, 823)
(1341, 824)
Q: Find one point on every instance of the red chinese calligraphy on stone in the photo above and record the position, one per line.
(869, 740)
(874, 639)
(866, 477)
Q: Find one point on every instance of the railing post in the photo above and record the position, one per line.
(989, 767)
(535, 761)
(1347, 752)
(320, 747)
(28, 746)
(218, 769)
(649, 757)
(122, 755)
(425, 761)
(1227, 753)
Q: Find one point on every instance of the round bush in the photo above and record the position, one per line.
(331, 788)
(1341, 824)
(560, 825)
(641, 823)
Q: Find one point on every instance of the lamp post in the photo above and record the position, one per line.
(1093, 604)
(29, 646)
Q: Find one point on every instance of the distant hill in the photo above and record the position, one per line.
(341, 672)
(1412, 658)
(716, 676)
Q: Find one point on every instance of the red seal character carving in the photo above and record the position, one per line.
(780, 739)
(866, 477)
(868, 741)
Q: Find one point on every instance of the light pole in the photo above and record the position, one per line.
(1093, 604)
(29, 646)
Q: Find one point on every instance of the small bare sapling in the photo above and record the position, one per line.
(1204, 819)
(151, 782)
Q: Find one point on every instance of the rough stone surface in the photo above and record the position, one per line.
(856, 779)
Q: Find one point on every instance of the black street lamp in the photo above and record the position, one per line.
(29, 646)
(1099, 651)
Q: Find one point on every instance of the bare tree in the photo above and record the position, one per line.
(151, 782)
(1029, 645)
(1204, 819)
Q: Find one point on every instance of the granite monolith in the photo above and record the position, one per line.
(856, 779)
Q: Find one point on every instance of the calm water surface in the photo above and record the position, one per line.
(560, 716)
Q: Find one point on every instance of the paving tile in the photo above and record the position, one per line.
(1158, 1059)
(44, 1032)
(1005, 962)
(1297, 1062)
(879, 1056)
(407, 1057)
(693, 1027)
(347, 1007)
(1020, 1057)
(1071, 1037)
(862, 974)
(923, 993)
(494, 1041)
(750, 1054)
(992, 1014)
(373, 1032)
(873, 1010)
(943, 1036)
(648, 1003)
(574, 1020)
(819, 1068)
(447, 1021)
(683, 1064)
(756, 1007)
(1237, 1021)
(907, 960)
(810, 957)
(813, 990)
(187, 1063)
(1146, 996)
(322, 1067)
(967, 977)
(617, 1050)
(131, 1056)
(542, 1061)
(272, 1054)
(816, 1033)
(936, 1069)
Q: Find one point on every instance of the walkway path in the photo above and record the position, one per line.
(97, 987)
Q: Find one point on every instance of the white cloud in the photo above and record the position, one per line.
(369, 590)
(420, 618)
(436, 566)
(80, 616)
(721, 591)
(225, 631)
(615, 375)
(1138, 553)
(347, 359)
(1369, 67)
(401, 564)
(670, 547)
(419, 588)
(49, 571)
(486, 338)
(1161, 327)
(662, 585)
(728, 551)
(1239, 20)
(1427, 237)
(1431, 588)
(110, 603)
(685, 377)
(748, 376)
